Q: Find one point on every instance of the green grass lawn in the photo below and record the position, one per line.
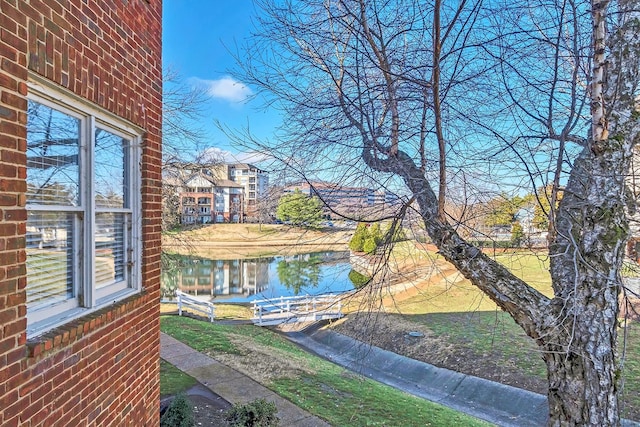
(173, 380)
(630, 343)
(464, 317)
(322, 388)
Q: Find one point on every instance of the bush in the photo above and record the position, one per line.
(258, 413)
(358, 279)
(178, 414)
(397, 235)
(370, 246)
(376, 233)
(517, 235)
(359, 237)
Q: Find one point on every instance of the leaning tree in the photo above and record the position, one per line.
(539, 92)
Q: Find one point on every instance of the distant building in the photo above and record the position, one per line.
(333, 194)
(205, 199)
(254, 180)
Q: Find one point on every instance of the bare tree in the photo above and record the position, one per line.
(185, 141)
(411, 90)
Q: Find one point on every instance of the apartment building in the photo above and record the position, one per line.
(205, 199)
(335, 195)
(254, 181)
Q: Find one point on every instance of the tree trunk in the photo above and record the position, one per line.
(583, 379)
(576, 330)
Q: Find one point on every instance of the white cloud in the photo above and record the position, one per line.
(249, 157)
(226, 88)
(214, 154)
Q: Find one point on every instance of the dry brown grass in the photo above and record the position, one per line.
(263, 364)
(230, 241)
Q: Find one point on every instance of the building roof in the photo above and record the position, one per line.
(200, 179)
(226, 183)
(244, 166)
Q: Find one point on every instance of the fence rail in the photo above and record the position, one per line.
(301, 308)
(186, 301)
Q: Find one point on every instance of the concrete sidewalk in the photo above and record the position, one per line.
(230, 384)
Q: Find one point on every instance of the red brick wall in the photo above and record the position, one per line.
(101, 369)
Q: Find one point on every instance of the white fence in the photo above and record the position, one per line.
(185, 301)
(303, 308)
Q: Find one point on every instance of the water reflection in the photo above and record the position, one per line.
(247, 279)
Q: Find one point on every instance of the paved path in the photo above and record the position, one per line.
(230, 384)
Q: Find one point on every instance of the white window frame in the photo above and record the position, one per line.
(88, 297)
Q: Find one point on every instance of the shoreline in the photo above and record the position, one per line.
(244, 251)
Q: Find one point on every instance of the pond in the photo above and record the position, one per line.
(244, 280)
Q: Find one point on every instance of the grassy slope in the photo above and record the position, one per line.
(320, 387)
(438, 303)
(455, 311)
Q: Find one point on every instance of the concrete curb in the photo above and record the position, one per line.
(497, 403)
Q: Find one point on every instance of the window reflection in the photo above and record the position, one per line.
(110, 170)
(53, 171)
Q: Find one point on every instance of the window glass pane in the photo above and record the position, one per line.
(110, 171)
(52, 156)
(50, 260)
(111, 245)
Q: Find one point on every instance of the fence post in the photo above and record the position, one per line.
(179, 294)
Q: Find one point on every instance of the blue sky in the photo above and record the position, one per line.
(194, 37)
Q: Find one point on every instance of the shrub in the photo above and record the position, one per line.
(178, 414)
(376, 233)
(358, 279)
(359, 237)
(398, 234)
(370, 246)
(517, 235)
(258, 413)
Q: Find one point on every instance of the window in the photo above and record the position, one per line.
(83, 201)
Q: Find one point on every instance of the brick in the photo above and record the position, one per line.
(8, 315)
(15, 328)
(7, 141)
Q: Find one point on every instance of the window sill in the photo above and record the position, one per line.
(71, 331)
